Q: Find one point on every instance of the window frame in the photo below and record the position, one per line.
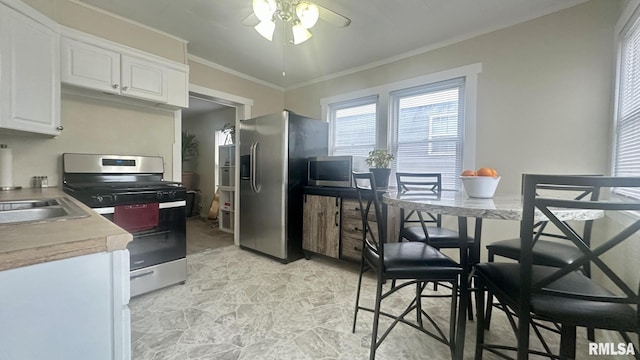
(395, 98)
(333, 107)
(626, 22)
(384, 111)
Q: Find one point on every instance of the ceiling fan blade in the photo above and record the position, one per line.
(251, 20)
(333, 17)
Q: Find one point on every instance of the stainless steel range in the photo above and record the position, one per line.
(131, 192)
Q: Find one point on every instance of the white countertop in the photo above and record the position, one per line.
(456, 203)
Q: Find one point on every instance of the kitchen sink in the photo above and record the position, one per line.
(21, 211)
(26, 204)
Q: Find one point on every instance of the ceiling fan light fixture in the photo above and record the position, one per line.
(266, 29)
(300, 33)
(307, 13)
(264, 9)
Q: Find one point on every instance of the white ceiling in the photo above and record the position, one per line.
(380, 30)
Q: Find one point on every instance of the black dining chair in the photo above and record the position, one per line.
(564, 295)
(553, 248)
(406, 264)
(427, 227)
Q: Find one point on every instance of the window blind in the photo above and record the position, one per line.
(354, 126)
(428, 123)
(627, 142)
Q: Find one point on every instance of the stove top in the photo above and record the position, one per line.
(106, 195)
(108, 180)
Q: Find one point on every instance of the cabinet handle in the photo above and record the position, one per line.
(60, 128)
(115, 86)
(337, 218)
(125, 88)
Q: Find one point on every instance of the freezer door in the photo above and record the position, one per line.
(248, 212)
(263, 168)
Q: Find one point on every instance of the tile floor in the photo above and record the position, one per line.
(240, 305)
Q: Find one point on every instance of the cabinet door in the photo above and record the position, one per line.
(75, 308)
(321, 225)
(144, 79)
(29, 69)
(90, 66)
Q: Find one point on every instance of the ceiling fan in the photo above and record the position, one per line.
(300, 15)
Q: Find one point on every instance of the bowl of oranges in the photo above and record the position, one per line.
(481, 183)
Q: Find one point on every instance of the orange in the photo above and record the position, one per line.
(485, 171)
(468, 173)
(494, 172)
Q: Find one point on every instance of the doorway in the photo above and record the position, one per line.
(209, 112)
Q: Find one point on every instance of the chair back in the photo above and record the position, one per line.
(365, 185)
(420, 184)
(545, 198)
(547, 230)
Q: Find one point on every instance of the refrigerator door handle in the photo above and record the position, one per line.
(255, 186)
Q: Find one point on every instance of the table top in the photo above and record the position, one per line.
(456, 203)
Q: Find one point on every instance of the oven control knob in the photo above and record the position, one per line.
(172, 194)
(99, 198)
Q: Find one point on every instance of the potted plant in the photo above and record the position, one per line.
(230, 133)
(189, 146)
(379, 161)
(189, 152)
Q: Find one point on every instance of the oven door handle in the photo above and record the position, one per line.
(162, 205)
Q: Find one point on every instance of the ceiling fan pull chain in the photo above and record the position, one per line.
(284, 46)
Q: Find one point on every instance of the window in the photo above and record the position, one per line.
(428, 123)
(353, 126)
(627, 134)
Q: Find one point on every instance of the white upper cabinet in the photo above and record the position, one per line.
(144, 79)
(92, 63)
(90, 66)
(29, 69)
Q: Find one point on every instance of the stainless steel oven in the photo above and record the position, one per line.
(130, 191)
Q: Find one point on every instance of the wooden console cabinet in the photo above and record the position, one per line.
(332, 224)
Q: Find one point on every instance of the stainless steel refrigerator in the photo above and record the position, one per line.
(273, 171)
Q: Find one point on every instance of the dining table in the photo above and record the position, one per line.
(460, 205)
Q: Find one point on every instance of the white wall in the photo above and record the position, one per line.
(93, 126)
(205, 127)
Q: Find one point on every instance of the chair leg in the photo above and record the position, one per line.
(376, 318)
(453, 316)
(480, 323)
(524, 319)
(461, 321)
(489, 310)
(568, 341)
(487, 321)
(419, 288)
(355, 313)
